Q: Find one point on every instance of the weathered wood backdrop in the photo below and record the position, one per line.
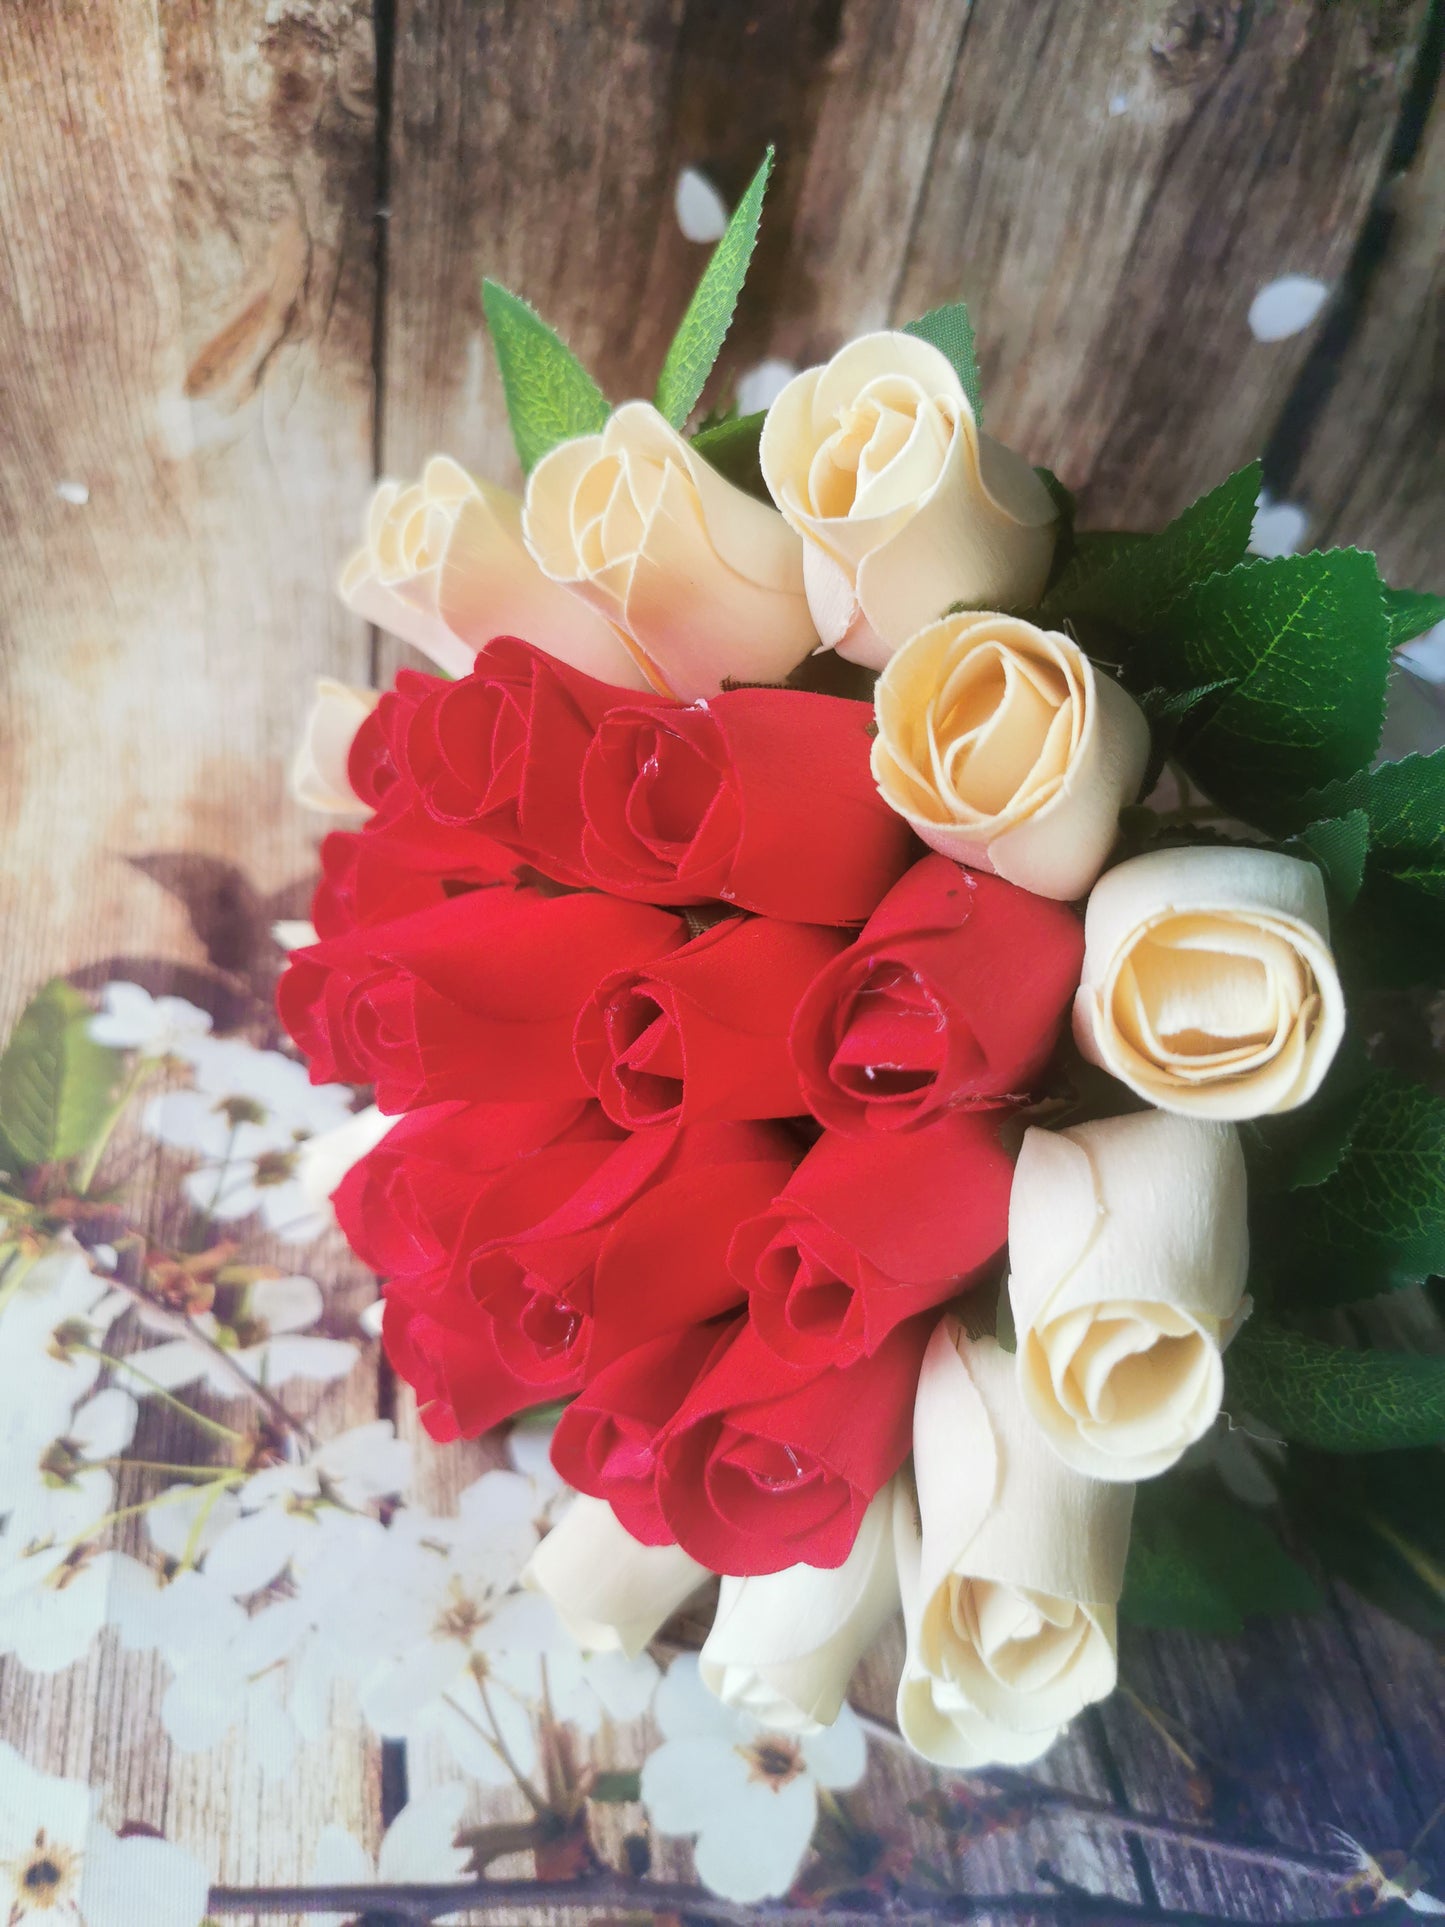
(242, 242)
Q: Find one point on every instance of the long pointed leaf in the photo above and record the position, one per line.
(709, 314)
(551, 398)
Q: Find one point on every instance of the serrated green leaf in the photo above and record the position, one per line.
(1404, 805)
(1411, 612)
(1338, 846)
(732, 448)
(1129, 581)
(56, 1082)
(1201, 1562)
(710, 312)
(950, 331)
(1378, 1221)
(1304, 639)
(1377, 1523)
(1333, 1398)
(551, 398)
(617, 1787)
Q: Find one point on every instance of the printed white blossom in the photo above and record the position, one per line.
(51, 1326)
(749, 1794)
(186, 1520)
(59, 1863)
(261, 1335)
(131, 1019)
(62, 1485)
(419, 1845)
(53, 1603)
(305, 1516)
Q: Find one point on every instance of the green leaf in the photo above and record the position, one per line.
(1404, 805)
(56, 1082)
(1063, 498)
(618, 1787)
(950, 331)
(732, 448)
(1299, 1149)
(1338, 845)
(551, 398)
(710, 312)
(1377, 1523)
(1129, 581)
(1305, 640)
(1333, 1398)
(1411, 613)
(1199, 1561)
(1378, 1221)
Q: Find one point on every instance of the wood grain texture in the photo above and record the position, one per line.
(191, 321)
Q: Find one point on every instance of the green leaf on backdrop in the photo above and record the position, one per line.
(616, 1788)
(732, 448)
(1334, 1398)
(1306, 642)
(950, 331)
(709, 314)
(551, 398)
(1378, 1220)
(1201, 1562)
(1337, 845)
(1129, 581)
(1411, 613)
(1404, 806)
(1376, 1523)
(56, 1082)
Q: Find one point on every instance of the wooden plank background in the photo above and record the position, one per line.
(242, 241)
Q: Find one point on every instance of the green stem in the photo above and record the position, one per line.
(157, 1390)
(198, 1525)
(220, 1479)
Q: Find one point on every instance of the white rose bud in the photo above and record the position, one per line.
(784, 1646)
(1127, 1255)
(1006, 750)
(904, 503)
(324, 1161)
(1010, 1587)
(610, 1591)
(445, 568)
(700, 581)
(1208, 983)
(318, 772)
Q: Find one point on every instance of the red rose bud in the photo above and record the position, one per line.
(766, 1466)
(586, 1251)
(502, 749)
(606, 1442)
(870, 1231)
(451, 1362)
(702, 1033)
(759, 797)
(400, 862)
(952, 995)
(374, 763)
(403, 1206)
(476, 998)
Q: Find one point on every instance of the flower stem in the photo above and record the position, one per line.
(155, 1389)
(498, 1745)
(220, 1477)
(90, 1163)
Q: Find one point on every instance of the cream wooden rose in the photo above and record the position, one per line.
(1127, 1260)
(1010, 1570)
(1208, 984)
(699, 581)
(1006, 750)
(784, 1646)
(444, 567)
(610, 1591)
(904, 503)
(318, 772)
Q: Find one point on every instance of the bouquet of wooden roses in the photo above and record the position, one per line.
(870, 1122)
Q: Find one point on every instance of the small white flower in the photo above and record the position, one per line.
(1279, 528)
(305, 1516)
(62, 1485)
(131, 1019)
(186, 1520)
(1425, 656)
(760, 387)
(49, 1331)
(260, 1335)
(748, 1794)
(292, 933)
(419, 1845)
(230, 1068)
(58, 1863)
(53, 1604)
